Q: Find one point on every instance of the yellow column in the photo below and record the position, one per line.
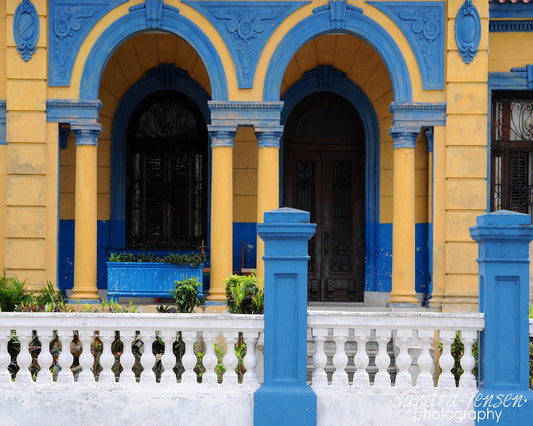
(85, 234)
(267, 184)
(221, 212)
(403, 218)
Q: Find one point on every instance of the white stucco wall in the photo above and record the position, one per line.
(394, 406)
(142, 404)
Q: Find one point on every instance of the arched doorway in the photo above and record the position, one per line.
(166, 174)
(324, 173)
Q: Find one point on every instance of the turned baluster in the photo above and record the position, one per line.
(5, 358)
(340, 359)
(361, 360)
(250, 359)
(24, 336)
(230, 359)
(468, 362)
(189, 358)
(382, 378)
(65, 357)
(210, 358)
(446, 379)
(425, 361)
(403, 361)
(320, 378)
(127, 359)
(45, 359)
(86, 359)
(107, 358)
(168, 360)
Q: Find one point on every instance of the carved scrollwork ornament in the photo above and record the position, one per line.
(467, 31)
(26, 29)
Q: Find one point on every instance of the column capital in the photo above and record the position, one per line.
(404, 137)
(269, 137)
(86, 133)
(221, 137)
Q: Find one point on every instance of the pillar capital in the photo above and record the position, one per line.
(86, 133)
(269, 137)
(222, 137)
(404, 137)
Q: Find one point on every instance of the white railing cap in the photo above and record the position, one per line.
(397, 320)
(140, 321)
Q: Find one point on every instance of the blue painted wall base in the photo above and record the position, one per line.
(284, 405)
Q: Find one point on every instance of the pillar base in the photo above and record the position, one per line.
(216, 297)
(406, 300)
(84, 294)
(285, 405)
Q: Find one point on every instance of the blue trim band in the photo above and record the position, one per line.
(134, 23)
(69, 110)
(411, 114)
(511, 26)
(356, 24)
(510, 10)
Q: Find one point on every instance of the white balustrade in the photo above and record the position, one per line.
(320, 359)
(411, 334)
(212, 329)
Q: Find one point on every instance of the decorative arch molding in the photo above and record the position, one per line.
(165, 77)
(355, 23)
(134, 23)
(325, 78)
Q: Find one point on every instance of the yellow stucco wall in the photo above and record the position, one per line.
(29, 161)
(28, 165)
(502, 58)
(461, 169)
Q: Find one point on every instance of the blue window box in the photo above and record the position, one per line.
(147, 279)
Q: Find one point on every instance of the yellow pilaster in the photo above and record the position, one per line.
(23, 184)
(465, 163)
(403, 217)
(85, 234)
(267, 185)
(221, 212)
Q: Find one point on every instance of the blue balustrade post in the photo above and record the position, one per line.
(285, 398)
(503, 238)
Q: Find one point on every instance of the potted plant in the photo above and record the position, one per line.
(146, 275)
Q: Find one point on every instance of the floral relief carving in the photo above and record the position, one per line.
(422, 23)
(245, 27)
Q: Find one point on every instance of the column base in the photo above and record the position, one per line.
(285, 405)
(399, 300)
(84, 295)
(216, 297)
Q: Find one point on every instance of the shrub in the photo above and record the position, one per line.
(243, 295)
(193, 259)
(12, 293)
(186, 294)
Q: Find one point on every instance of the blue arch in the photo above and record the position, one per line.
(356, 24)
(339, 84)
(166, 77)
(134, 23)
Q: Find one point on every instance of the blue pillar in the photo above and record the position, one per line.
(503, 238)
(285, 398)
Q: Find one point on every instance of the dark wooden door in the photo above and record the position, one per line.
(324, 174)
